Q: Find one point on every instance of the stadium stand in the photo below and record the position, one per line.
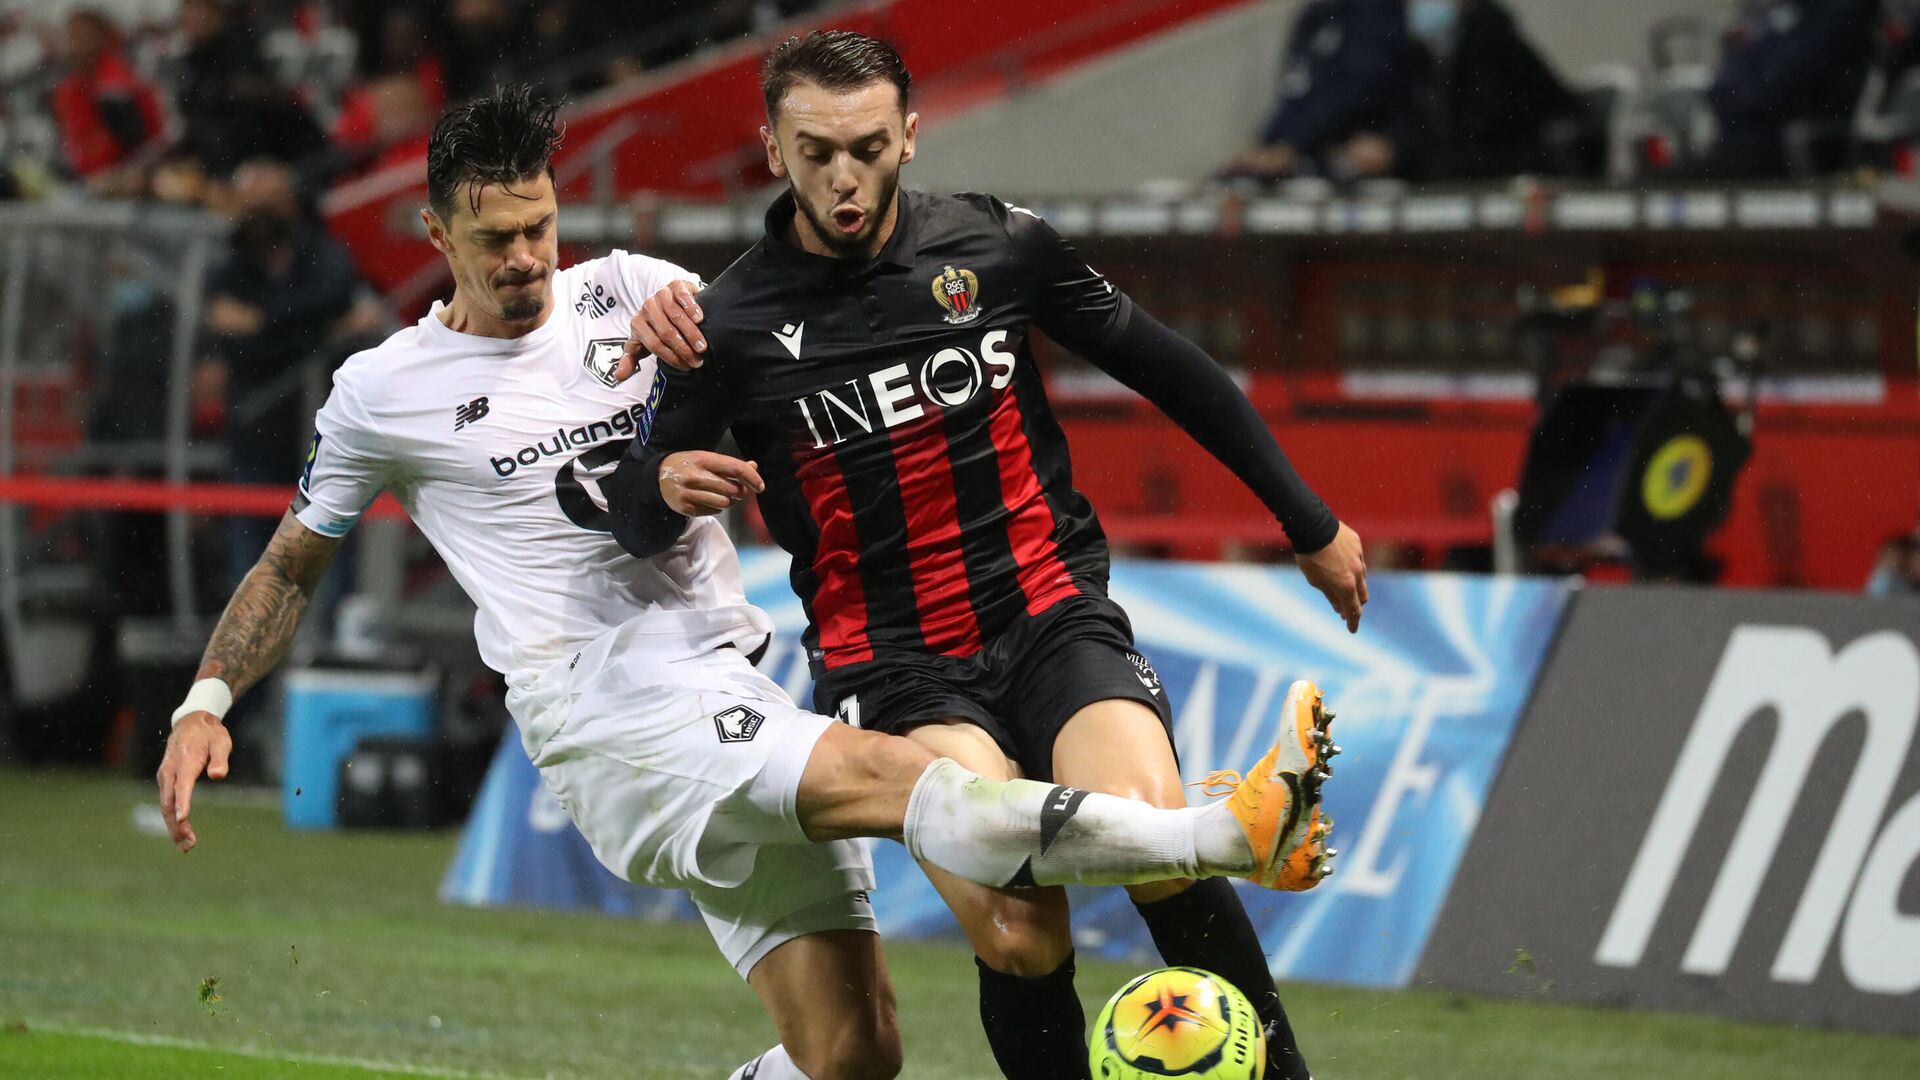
(1387, 318)
(1596, 321)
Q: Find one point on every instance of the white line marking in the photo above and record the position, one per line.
(135, 1038)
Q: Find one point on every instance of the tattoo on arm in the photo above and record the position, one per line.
(257, 627)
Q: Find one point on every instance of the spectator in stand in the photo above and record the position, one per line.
(384, 122)
(1790, 65)
(1900, 48)
(107, 116)
(1351, 97)
(724, 20)
(1898, 571)
(286, 294)
(568, 45)
(488, 44)
(394, 36)
(670, 31)
(1496, 100)
(387, 116)
(179, 179)
(233, 107)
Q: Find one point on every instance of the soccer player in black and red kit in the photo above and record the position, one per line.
(871, 356)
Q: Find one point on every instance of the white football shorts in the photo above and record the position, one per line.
(683, 774)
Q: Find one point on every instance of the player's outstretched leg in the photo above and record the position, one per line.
(1023, 833)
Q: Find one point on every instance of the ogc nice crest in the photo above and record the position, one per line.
(957, 291)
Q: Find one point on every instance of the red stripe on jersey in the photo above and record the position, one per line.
(1043, 576)
(840, 603)
(940, 590)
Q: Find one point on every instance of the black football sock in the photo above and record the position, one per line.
(1207, 927)
(1035, 1025)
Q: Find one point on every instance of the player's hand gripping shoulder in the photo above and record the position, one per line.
(1339, 571)
(695, 483)
(253, 635)
(668, 326)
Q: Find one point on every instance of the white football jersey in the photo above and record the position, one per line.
(495, 447)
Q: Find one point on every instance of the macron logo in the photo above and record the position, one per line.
(789, 335)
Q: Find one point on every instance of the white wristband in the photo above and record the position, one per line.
(207, 695)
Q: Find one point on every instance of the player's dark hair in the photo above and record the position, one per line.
(505, 137)
(836, 60)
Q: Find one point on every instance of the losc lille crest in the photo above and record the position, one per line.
(957, 291)
(602, 357)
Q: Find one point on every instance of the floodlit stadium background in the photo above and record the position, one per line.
(1604, 342)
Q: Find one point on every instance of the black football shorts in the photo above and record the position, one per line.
(1022, 688)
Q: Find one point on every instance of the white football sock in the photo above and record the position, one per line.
(772, 1065)
(1219, 842)
(1021, 832)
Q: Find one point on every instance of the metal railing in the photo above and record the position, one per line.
(67, 271)
(102, 309)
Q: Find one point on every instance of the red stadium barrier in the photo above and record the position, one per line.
(1205, 534)
(1185, 532)
(82, 493)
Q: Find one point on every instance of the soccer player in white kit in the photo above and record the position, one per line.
(491, 420)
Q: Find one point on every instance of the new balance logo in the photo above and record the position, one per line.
(789, 335)
(471, 413)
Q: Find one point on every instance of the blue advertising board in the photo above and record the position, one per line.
(1428, 694)
(521, 850)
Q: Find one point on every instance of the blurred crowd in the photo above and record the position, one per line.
(1453, 90)
(168, 97)
(252, 108)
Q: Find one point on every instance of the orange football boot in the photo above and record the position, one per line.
(1278, 803)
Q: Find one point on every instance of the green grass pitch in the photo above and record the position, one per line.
(329, 957)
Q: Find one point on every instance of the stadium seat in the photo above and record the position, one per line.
(1597, 145)
(1888, 133)
(1675, 125)
(320, 63)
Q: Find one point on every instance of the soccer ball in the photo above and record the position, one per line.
(1178, 1021)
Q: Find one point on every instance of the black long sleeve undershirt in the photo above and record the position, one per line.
(692, 416)
(1182, 381)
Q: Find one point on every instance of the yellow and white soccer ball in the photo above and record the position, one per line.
(1178, 1021)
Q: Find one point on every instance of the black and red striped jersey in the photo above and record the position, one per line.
(913, 466)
